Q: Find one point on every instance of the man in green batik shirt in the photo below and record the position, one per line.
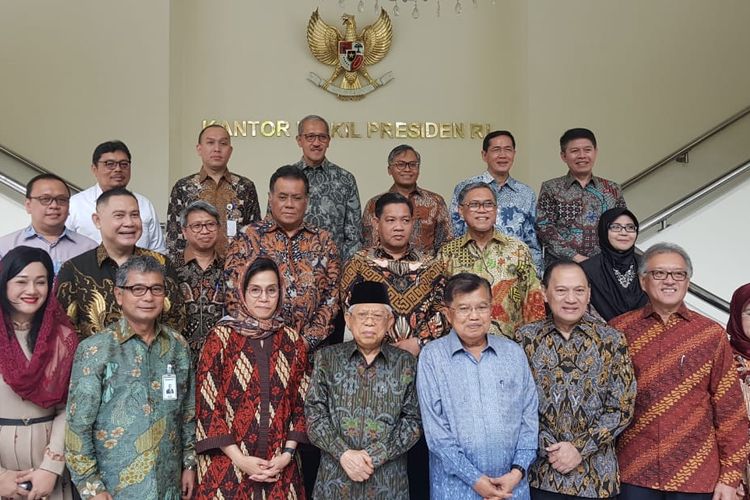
(131, 407)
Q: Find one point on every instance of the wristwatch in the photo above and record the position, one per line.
(519, 469)
(291, 451)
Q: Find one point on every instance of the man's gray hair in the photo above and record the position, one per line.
(471, 187)
(351, 308)
(198, 206)
(138, 264)
(403, 148)
(662, 248)
(319, 118)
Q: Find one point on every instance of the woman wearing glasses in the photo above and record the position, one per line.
(613, 274)
(250, 387)
(738, 330)
(37, 345)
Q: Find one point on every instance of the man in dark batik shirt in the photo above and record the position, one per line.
(233, 196)
(334, 198)
(200, 270)
(569, 207)
(361, 407)
(86, 284)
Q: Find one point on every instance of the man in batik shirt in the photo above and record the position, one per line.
(570, 206)
(306, 255)
(503, 260)
(362, 408)
(200, 271)
(586, 388)
(432, 226)
(233, 195)
(86, 284)
(516, 211)
(131, 407)
(334, 198)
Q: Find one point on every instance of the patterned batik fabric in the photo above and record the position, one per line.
(355, 406)
(415, 286)
(690, 425)
(123, 437)
(86, 291)
(479, 415)
(568, 215)
(516, 212)
(334, 205)
(587, 390)
(234, 197)
(203, 295)
(310, 270)
(432, 227)
(506, 263)
(743, 371)
(250, 392)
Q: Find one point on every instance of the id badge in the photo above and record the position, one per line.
(231, 228)
(169, 385)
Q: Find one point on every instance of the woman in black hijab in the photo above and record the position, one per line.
(613, 274)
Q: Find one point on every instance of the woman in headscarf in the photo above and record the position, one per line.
(37, 347)
(613, 274)
(250, 386)
(738, 330)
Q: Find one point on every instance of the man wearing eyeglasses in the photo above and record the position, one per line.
(47, 199)
(503, 260)
(516, 213)
(200, 273)
(111, 166)
(131, 407)
(233, 195)
(689, 436)
(478, 402)
(432, 226)
(586, 389)
(86, 284)
(334, 198)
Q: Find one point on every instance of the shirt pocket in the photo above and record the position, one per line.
(570, 212)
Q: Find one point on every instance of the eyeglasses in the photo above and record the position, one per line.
(618, 228)
(474, 206)
(378, 316)
(112, 164)
(140, 290)
(405, 165)
(47, 200)
(465, 311)
(660, 275)
(256, 291)
(321, 137)
(199, 226)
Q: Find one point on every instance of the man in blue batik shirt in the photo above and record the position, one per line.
(478, 402)
(516, 210)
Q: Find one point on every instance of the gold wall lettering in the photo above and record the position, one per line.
(359, 130)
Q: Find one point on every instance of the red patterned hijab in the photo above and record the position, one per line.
(737, 337)
(240, 318)
(44, 378)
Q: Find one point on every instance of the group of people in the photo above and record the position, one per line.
(497, 347)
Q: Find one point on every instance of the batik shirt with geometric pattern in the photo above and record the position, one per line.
(568, 215)
(506, 263)
(690, 427)
(586, 388)
(234, 197)
(432, 226)
(86, 291)
(415, 286)
(353, 405)
(123, 437)
(334, 205)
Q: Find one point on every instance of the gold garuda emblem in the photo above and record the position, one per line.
(350, 54)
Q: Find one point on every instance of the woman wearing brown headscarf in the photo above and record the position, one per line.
(738, 330)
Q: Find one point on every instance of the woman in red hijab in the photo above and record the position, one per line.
(738, 329)
(37, 345)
